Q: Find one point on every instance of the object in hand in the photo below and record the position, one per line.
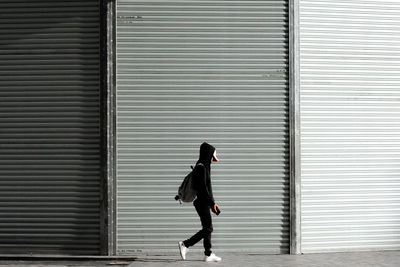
(215, 209)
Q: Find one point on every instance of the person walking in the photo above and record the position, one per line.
(203, 203)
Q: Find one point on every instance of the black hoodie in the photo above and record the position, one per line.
(202, 175)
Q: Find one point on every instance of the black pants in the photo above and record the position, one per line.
(205, 233)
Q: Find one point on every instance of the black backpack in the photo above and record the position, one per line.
(186, 191)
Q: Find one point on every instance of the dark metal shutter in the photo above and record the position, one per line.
(49, 134)
(189, 71)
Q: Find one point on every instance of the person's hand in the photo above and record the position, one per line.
(215, 209)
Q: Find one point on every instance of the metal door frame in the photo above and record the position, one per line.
(108, 130)
(294, 128)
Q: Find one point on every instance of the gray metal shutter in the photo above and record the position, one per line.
(350, 125)
(193, 71)
(49, 133)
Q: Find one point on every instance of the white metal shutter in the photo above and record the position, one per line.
(49, 127)
(194, 71)
(350, 124)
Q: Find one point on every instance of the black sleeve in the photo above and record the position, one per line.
(201, 186)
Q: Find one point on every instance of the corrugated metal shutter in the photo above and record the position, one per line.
(189, 71)
(350, 122)
(49, 134)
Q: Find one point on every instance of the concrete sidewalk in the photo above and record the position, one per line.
(350, 259)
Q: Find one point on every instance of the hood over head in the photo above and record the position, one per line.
(206, 153)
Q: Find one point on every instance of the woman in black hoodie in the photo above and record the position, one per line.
(203, 203)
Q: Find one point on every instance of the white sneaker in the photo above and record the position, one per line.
(212, 258)
(183, 250)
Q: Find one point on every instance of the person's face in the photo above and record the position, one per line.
(214, 157)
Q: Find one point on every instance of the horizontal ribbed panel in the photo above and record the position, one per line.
(350, 114)
(49, 134)
(189, 71)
